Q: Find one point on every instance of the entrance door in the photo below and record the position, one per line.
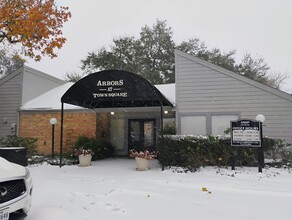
(142, 134)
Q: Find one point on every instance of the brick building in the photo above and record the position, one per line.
(206, 98)
(111, 124)
(17, 88)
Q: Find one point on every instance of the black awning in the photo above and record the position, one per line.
(114, 89)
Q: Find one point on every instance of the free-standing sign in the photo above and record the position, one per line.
(245, 133)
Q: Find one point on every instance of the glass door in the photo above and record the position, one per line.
(141, 134)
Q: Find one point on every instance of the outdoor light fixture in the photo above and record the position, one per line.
(165, 112)
(260, 118)
(112, 113)
(4, 120)
(14, 128)
(53, 121)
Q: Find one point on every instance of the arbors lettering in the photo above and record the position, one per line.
(110, 83)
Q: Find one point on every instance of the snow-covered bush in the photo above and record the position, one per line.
(194, 151)
(13, 141)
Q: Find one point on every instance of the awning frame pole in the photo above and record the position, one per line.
(61, 134)
(161, 120)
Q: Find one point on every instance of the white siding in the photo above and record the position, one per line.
(204, 88)
(19, 87)
(36, 83)
(10, 98)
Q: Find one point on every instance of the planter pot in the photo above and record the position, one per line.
(84, 160)
(142, 164)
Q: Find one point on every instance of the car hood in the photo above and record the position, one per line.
(8, 169)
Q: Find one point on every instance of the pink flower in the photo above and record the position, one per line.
(143, 154)
(82, 151)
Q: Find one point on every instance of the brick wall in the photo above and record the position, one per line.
(77, 123)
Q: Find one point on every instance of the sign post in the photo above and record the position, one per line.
(247, 133)
(261, 151)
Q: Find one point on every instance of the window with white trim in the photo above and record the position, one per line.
(221, 122)
(208, 124)
(194, 125)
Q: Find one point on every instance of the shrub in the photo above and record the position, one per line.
(27, 142)
(169, 129)
(102, 149)
(168, 151)
(179, 152)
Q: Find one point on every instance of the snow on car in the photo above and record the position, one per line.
(15, 189)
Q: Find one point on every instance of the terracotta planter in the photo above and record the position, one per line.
(85, 160)
(142, 164)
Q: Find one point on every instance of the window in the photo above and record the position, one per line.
(195, 125)
(208, 124)
(221, 122)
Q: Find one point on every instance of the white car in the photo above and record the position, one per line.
(15, 189)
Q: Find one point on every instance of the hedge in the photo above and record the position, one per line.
(192, 152)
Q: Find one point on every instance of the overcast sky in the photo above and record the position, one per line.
(261, 27)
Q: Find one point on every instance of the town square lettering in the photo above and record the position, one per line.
(113, 94)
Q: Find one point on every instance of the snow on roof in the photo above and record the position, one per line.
(51, 100)
(168, 90)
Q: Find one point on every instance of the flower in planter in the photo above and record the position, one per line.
(143, 154)
(83, 152)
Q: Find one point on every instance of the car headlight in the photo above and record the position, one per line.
(27, 173)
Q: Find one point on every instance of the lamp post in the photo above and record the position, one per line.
(53, 121)
(261, 118)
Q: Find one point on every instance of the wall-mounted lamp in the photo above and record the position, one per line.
(13, 125)
(4, 120)
(165, 112)
(112, 113)
(13, 128)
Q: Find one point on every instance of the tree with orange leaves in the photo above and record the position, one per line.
(35, 25)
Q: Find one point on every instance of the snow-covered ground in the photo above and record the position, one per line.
(112, 189)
